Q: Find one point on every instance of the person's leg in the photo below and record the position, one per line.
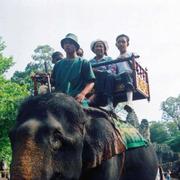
(98, 98)
(109, 85)
(129, 95)
(128, 82)
(100, 81)
(108, 91)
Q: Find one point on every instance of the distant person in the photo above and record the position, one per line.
(43, 88)
(56, 56)
(73, 75)
(3, 170)
(80, 52)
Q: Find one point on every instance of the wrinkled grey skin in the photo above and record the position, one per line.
(49, 143)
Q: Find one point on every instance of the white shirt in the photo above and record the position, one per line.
(123, 67)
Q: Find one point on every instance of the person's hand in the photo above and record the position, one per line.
(80, 97)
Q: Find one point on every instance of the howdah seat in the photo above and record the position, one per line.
(140, 81)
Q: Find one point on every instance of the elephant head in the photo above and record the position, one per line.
(47, 140)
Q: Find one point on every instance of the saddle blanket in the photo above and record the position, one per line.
(129, 134)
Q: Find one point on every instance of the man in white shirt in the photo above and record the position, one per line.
(124, 69)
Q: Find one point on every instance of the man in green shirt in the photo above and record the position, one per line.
(73, 75)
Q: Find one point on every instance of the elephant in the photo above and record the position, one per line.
(55, 138)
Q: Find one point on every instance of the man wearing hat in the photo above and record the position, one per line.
(73, 75)
(103, 88)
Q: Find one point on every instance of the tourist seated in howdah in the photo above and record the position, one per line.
(108, 76)
(119, 80)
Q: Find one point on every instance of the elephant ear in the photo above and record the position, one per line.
(102, 141)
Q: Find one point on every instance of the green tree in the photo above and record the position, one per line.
(174, 139)
(5, 62)
(159, 133)
(172, 128)
(10, 96)
(174, 142)
(171, 109)
(164, 132)
(42, 55)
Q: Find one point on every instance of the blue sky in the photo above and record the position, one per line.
(153, 27)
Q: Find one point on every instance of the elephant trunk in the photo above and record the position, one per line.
(27, 162)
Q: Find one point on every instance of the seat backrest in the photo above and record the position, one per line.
(141, 80)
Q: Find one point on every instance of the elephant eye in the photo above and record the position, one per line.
(55, 141)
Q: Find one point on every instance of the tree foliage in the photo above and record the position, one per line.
(5, 62)
(10, 97)
(42, 55)
(164, 132)
(171, 109)
(158, 132)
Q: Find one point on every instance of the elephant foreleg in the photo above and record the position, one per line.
(108, 170)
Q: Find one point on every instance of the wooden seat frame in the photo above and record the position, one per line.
(140, 80)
